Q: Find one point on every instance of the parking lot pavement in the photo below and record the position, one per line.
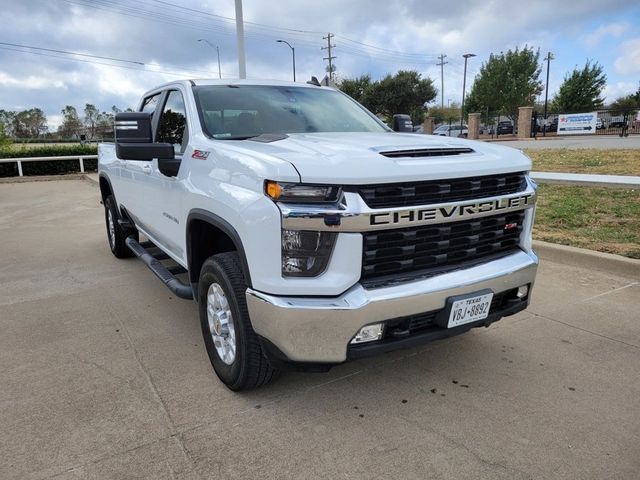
(104, 375)
(604, 142)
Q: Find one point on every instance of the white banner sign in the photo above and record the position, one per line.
(577, 123)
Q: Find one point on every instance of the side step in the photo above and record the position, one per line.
(163, 273)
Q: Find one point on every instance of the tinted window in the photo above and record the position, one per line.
(173, 122)
(150, 103)
(242, 111)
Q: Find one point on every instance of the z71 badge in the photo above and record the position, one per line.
(200, 154)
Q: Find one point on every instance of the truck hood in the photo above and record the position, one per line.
(356, 158)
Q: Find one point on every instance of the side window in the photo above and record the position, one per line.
(150, 103)
(173, 122)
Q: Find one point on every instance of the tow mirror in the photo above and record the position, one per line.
(134, 138)
(402, 123)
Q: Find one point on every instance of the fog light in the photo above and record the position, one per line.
(522, 291)
(370, 333)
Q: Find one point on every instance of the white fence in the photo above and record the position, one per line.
(80, 158)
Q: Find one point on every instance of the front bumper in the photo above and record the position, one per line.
(319, 329)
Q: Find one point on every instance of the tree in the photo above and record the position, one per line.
(626, 104)
(7, 119)
(4, 138)
(104, 124)
(581, 90)
(505, 82)
(359, 88)
(71, 125)
(91, 119)
(446, 115)
(404, 92)
(28, 123)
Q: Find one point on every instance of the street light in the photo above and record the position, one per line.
(217, 50)
(466, 57)
(293, 52)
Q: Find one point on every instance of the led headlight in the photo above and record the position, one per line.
(301, 192)
(304, 253)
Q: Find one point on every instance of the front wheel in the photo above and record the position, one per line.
(233, 347)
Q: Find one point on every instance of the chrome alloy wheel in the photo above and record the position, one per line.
(221, 323)
(112, 228)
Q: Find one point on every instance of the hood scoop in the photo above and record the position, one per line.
(427, 152)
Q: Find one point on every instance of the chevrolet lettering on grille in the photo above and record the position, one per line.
(450, 212)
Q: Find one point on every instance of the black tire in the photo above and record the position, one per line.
(116, 240)
(250, 368)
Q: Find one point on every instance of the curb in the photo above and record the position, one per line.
(90, 178)
(574, 256)
(43, 178)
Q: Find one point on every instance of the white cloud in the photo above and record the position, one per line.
(615, 30)
(619, 89)
(29, 82)
(629, 61)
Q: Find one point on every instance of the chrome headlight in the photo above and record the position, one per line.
(302, 192)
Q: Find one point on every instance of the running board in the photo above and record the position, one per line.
(163, 273)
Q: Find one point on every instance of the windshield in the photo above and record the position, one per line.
(243, 111)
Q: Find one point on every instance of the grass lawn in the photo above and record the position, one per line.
(608, 162)
(602, 219)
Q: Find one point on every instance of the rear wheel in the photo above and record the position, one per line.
(233, 347)
(115, 234)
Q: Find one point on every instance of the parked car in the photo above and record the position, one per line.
(452, 131)
(504, 128)
(306, 230)
(600, 124)
(617, 122)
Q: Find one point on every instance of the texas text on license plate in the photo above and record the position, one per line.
(469, 310)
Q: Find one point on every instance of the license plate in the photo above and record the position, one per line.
(469, 310)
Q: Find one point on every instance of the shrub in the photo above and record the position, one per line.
(56, 167)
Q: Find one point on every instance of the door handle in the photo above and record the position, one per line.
(147, 169)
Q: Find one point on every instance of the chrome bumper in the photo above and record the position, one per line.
(319, 329)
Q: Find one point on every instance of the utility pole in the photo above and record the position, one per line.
(242, 63)
(441, 65)
(546, 94)
(466, 57)
(329, 57)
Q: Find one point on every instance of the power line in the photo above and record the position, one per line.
(146, 67)
(71, 53)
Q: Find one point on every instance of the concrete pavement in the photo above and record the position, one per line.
(104, 375)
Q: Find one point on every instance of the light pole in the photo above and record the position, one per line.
(466, 57)
(546, 94)
(293, 53)
(217, 50)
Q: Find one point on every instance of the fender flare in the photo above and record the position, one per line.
(224, 226)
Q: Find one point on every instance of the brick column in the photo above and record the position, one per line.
(524, 122)
(427, 125)
(474, 126)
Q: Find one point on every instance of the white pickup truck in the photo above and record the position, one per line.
(307, 231)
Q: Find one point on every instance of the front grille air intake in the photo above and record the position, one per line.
(388, 195)
(405, 254)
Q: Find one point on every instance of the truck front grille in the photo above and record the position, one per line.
(405, 254)
(387, 195)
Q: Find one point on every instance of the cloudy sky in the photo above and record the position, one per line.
(128, 47)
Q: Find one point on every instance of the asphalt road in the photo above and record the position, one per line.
(603, 142)
(104, 375)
